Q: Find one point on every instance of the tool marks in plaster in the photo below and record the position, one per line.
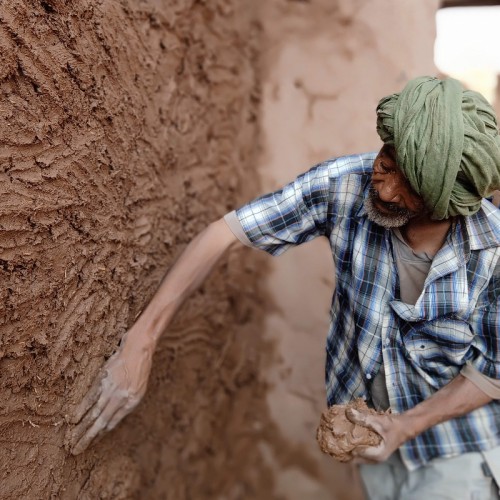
(122, 125)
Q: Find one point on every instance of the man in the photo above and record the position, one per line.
(415, 320)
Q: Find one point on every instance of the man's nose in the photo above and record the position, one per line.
(388, 192)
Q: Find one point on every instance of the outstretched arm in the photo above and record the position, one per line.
(123, 379)
(455, 399)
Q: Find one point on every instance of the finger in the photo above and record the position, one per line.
(117, 418)
(370, 453)
(123, 410)
(356, 417)
(97, 427)
(83, 443)
(365, 419)
(75, 434)
(87, 402)
(362, 461)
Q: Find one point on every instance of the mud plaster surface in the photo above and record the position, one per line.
(339, 437)
(122, 124)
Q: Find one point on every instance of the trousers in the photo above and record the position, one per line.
(457, 478)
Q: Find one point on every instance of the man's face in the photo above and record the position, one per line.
(391, 200)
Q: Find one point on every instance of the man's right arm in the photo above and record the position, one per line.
(274, 222)
(123, 379)
(185, 276)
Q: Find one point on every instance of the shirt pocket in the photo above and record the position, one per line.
(438, 348)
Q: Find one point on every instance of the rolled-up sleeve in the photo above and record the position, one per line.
(290, 216)
(486, 326)
(231, 219)
(490, 386)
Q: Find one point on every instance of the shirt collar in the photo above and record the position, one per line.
(483, 228)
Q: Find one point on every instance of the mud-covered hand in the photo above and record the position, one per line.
(457, 398)
(116, 391)
(390, 428)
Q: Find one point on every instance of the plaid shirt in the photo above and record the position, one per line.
(423, 346)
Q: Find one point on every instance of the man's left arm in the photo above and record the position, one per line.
(464, 394)
(455, 399)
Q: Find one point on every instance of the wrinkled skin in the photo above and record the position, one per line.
(391, 201)
(339, 437)
(388, 426)
(115, 393)
(457, 398)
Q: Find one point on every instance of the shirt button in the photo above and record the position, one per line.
(387, 341)
(368, 376)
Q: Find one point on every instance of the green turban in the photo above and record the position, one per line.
(446, 142)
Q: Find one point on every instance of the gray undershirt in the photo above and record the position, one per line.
(413, 268)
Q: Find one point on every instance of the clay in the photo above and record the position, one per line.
(338, 436)
(126, 128)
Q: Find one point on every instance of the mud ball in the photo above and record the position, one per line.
(338, 436)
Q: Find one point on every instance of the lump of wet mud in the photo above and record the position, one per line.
(338, 436)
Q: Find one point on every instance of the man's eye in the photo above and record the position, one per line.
(386, 170)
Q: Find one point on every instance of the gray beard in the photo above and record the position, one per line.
(397, 218)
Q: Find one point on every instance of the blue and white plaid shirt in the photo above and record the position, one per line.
(423, 346)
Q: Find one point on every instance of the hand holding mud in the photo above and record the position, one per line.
(117, 390)
(388, 427)
(352, 430)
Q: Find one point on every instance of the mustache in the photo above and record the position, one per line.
(391, 207)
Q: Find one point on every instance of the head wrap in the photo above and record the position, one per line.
(446, 142)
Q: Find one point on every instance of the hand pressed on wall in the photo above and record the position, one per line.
(117, 390)
(124, 377)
